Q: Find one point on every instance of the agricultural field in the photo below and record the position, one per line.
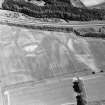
(50, 59)
(47, 54)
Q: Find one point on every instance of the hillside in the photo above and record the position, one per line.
(54, 9)
(99, 6)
